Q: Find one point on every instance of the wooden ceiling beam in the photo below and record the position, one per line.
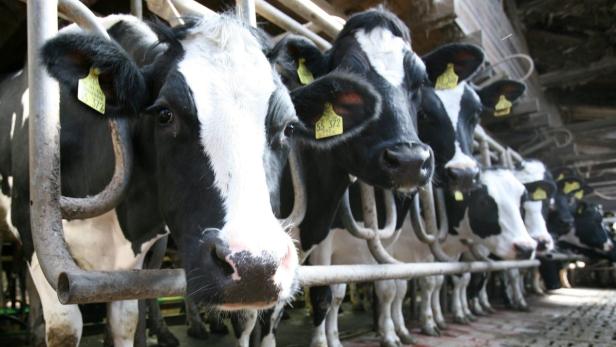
(580, 75)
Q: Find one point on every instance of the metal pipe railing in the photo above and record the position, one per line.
(331, 274)
(313, 13)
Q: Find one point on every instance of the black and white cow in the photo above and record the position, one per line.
(540, 188)
(210, 123)
(373, 44)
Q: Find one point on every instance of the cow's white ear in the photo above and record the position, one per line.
(70, 58)
(457, 62)
(334, 108)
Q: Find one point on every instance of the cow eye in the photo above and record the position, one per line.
(165, 116)
(289, 130)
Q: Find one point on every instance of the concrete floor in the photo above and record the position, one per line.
(565, 318)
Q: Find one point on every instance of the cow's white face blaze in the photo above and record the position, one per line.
(535, 211)
(231, 83)
(507, 192)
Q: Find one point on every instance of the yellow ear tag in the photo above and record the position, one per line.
(458, 195)
(330, 123)
(448, 80)
(90, 93)
(503, 107)
(539, 194)
(305, 76)
(579, 194)
(571, 186)
(560, 177)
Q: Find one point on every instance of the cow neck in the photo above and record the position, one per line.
(325, 184)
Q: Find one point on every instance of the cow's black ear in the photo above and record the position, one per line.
(298, 60)
(334, 108)
(74, 56)
(540, 190)
(570, 185)
(465, 59)
(490, 95)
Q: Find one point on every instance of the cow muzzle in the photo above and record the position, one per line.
(408, 164)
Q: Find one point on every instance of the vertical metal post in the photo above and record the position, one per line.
(136, 8)
(44, 144)
(246, 11)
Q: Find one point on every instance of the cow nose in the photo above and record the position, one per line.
(408, 164)
(523, 251)
(230, 278)
(542, 245)
(463, 179)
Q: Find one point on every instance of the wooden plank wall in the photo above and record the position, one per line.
(500, 39)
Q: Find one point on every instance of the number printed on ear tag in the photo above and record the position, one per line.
(503, 107)
(448, 80)
(304, 75)
(539, 194)
(90, 93)
(330, 123)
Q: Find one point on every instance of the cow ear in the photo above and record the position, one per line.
(560, 174)
(569, 185)
(464, 58)
(540, 190)
(113, 79)
(298, 60)
(500, 95)
(334, 108)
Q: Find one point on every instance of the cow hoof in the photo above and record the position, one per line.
(524, 308)
(198, 331)
(406, 338)
(442, 325)
(461, 320)
(430, 331)
(471, 317)
(478, 312)
(166, 338)
(218, 327)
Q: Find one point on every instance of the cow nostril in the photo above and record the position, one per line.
(542, 245)
(522, 251)
(391, 158)
(219, 256)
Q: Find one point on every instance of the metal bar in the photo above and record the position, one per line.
(313, 13)
(246, 11)
(299, 191)
(561, 257)
(136, 8)
(331, 274)
(283, 21)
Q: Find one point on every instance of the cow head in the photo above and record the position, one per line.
(589, 232)
(490, 215)
(540, 188)
(374, 45)
(211, 123)
(450, 112)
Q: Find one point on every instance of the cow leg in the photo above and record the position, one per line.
(63, 323)
(331, 321)
(517, 283)
(484, 300)
(537, 286)
(437, 311)
(426, 316)
(158, 326)
(122, 317)
(320, 298)
(456, 303)
(36, 323)
(564, 279)
(399, 322)
(466, 279)
(268, 332)
(385, 293)
(196, 326)
(249, 320)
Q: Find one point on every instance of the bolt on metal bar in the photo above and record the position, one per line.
(331, 274)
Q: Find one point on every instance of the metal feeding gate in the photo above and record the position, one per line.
(75, 285)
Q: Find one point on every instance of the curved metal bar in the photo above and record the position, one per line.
(440, 254)
(380, 253)
(299, 192)
(443, 228)
(349, 222)
(172, 10)
(391, 215)
(110, 196)
(81, 15)
(478, 254)
(418, 223)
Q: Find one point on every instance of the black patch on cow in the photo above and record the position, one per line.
(483, 213)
